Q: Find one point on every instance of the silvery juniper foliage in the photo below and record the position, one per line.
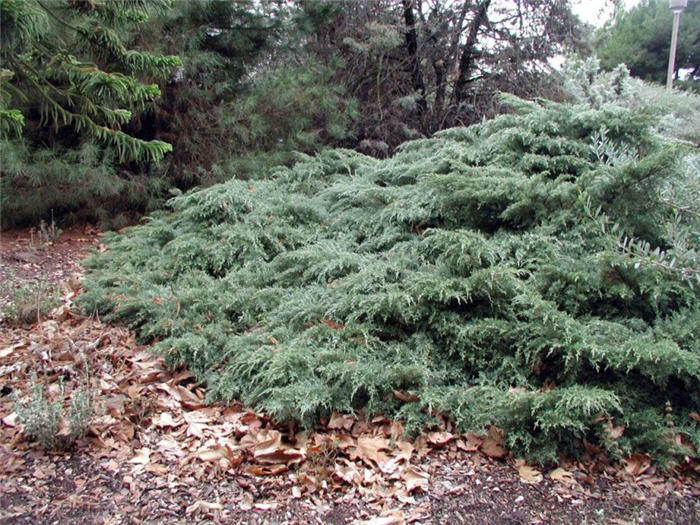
(467, 268)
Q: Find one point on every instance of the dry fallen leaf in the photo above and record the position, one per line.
(406, 397)
(191, 400)
(341, 421)
(125, 432)
(527, 473)
(114, 405)
(157, 468)
(203, 506)
(51, 328)
(7, 351)
(212, 454)
(393, 517)
(170, 447)
(265, 505)
(563, 476)
(470, 442)
(270, 449)
(197, 422)
(267, 470)
(637, 464)
(493, 445)
(347, 471)
(614, 432)
(333, 325)
(111, 466)
(133, 391)
(165, 419)
(142, 456)
(404, 450)
(370, 450)
(440, 438)
(415, 479)
(246, 502)
(396, 430)
(43, 473)
(10, 420)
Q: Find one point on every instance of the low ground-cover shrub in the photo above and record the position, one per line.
(678, 111)
(486, 272)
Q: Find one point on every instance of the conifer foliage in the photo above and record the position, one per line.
(220, 43)
(478, 273)
(67, 66)
(69, 88)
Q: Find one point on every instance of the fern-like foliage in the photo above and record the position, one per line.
(467, 268)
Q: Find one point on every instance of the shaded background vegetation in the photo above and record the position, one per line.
(252, 84)
(105, 107)
(640, 38)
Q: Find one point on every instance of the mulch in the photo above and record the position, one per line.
(158, 452)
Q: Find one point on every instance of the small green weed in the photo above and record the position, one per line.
(48, 233)
(45, 234)
(29, 303)
(49, 422)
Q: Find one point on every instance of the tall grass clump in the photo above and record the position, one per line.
(518, 272)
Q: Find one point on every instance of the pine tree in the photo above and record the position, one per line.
(220, 43)
(65, 66)
(247, 94)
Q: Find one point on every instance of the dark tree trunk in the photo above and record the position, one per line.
(444, 66)
(413, 59)
(469, 52)
(440, 89)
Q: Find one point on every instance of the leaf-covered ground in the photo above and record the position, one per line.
(486, 273)
(158, 453)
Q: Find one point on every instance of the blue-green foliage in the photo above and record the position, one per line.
(467, 268)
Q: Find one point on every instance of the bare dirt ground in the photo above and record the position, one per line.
(157, 452)
(27, 257)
